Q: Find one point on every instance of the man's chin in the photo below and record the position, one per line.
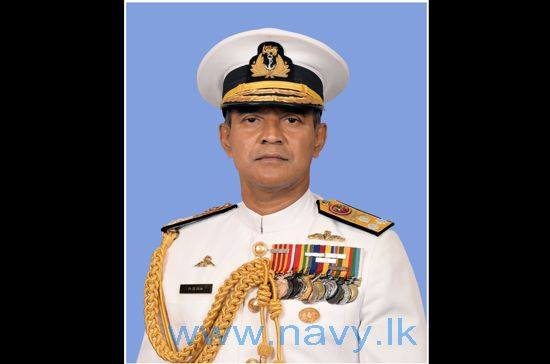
(272, 182)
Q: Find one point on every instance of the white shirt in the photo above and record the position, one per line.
(388, 294)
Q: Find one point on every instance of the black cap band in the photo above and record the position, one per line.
(298, 74)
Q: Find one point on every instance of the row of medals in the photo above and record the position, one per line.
(315, 288)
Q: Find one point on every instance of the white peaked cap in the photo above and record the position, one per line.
(237, 50)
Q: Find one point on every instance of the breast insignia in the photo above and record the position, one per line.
(205, 262)
(327, 235)
(354, 217)
(179, 223)
(313, 273)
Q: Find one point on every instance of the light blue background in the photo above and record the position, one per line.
(375, 157)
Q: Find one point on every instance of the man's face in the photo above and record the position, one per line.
(272, 147)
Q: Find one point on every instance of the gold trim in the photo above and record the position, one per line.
(285, 92)
(290, 99)
(222, 313)
(268, 91)
(353, 215)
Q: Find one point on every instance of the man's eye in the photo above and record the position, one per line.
(293, 120)
(250, 120)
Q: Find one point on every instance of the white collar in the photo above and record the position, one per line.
(282, 219)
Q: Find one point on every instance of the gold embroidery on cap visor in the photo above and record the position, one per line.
(273, 91)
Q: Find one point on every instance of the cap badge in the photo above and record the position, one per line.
(270, 61)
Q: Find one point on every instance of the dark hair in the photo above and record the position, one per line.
(251, 108)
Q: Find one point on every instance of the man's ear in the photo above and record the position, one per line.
(320, 139)
(225, 130)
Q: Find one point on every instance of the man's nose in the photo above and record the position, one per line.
(272, 133)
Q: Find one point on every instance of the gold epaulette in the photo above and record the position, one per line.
(354, 217)
(177, 224)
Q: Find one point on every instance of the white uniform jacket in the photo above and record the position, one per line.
(386, 322)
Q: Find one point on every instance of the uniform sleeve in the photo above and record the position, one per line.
(392, 307)
(147, 354)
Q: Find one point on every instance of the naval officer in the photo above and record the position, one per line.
(285, 275)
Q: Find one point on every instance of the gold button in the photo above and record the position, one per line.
(260, 248)
(253, 305)
(309, 315)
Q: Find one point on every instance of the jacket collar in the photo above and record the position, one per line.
(280, 220)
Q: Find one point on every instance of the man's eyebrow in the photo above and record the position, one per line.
(291, 112)
(247, 110)
(282, 111)
(302, 112)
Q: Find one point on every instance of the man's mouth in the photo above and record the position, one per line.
(274, 157)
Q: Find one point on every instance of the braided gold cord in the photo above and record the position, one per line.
(282, 87)
(228, 299)
(255, 98)
(268, 91)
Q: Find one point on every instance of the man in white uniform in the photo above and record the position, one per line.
(285, 275)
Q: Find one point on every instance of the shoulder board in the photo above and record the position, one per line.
(177, 224)
(354, 217)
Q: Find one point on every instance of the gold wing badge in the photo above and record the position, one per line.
(327, 235)
(270, 63)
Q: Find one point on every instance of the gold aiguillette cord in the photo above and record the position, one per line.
(228, 299)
